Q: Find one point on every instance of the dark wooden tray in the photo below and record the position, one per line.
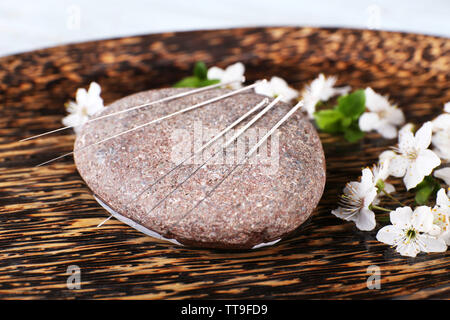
(48, 216)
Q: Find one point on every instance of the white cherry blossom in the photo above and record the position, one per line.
(414, 160)
(233, 72)
(441, 143)
(409, 232)
(86, 104)
(442, 122)
(441, 137)
(386, 156)
(443, 174)
(407, 127)
(441, 212)
(321, 89)
(380, 174)
(356, 200)
(447, 107)
(382, 116)
(276, 87)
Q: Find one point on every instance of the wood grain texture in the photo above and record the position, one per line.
(48, 216)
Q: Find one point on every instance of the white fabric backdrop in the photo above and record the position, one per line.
(30, 24)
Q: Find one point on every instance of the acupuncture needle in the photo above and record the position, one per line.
(245, 158)
(198, 105)
(165, 99)
(223, 147)
(206, 145)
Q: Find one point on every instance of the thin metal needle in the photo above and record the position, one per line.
(104, 221)
(206, 145)
(224, 146)
(173, 97)
(54, 159)
(198, 105)
(246, 157)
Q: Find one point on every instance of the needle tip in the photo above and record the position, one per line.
(299, 104)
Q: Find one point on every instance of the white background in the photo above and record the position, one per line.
(27, 25)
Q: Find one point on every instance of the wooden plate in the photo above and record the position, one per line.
(48, 216)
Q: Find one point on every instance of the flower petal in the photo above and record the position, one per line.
(215, 73)
(427, 160)
(375, 102)
(94, 89)
(410, 249)
(236, 70)
(406, 141)
(413, 176)
(281, 87)
(365, 220)
(442, 122)
(370, 197)
(349, 187)
(81, 96)
(389, 234)
(424, 164)
(431, 244)
(342, 90)
(369, 121)
(75, 120)
(389, 188)
(386, 156)
(278, 84)
(289, 94)
(310, 103)
(406, 127)
(340, 213)
(387, 131)
(441, 140)
(442, 200)
(396, 116)
(423, 136)
(367, 179)
(95, 107)
(265, 89)
(398, 166)
(435, 231)
(73, 107)
(445, 236)
(401, 217)
(422, 219)
(447, 107)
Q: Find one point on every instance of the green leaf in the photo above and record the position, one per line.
(344, 117)
(194, 82)
(353, 133)
(199, 79)
(352, 105)
(188, 82)
(346, 122)
(200, 70)
(427, 188)
(207, 82)
(329, 120)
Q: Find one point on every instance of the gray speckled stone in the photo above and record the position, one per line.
(249, 208)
